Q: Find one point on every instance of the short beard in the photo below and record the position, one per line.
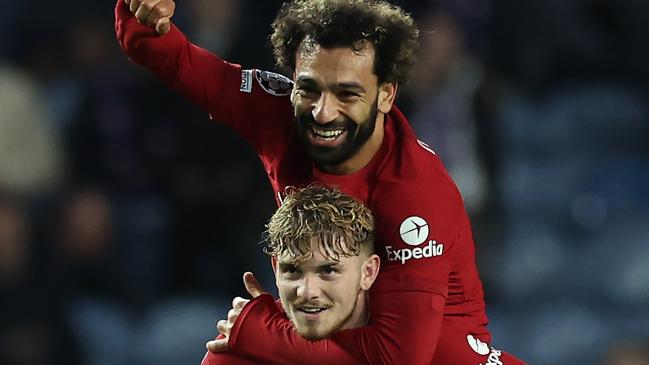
(333, 330)
(357, 135)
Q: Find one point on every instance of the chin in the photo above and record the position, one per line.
(328, 157)
(314, 335)
(332, 157)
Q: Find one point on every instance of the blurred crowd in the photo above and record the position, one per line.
(127, 217)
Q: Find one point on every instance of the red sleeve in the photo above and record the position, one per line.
(407, 301)
(252, 102)
(226, 358)
(262, 332)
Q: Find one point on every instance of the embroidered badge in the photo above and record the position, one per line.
(274, 83)
(246, 81)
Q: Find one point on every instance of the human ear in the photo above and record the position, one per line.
(369, 271)
(387, 93)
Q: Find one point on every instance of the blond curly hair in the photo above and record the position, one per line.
(342, 225)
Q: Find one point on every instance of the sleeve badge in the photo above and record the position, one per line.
(274, 83)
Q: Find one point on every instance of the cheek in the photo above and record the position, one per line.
(359, 114)
(343, 293)
(287, 293)
(300, 105)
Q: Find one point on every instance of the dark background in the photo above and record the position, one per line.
(127, 217)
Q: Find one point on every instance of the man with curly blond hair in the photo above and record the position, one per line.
(334, 123)
(324, 261)
(322, 244)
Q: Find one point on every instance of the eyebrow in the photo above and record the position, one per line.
(347, 85)
(306, 80)
(330, 264)
(351, 85)
(286, 265)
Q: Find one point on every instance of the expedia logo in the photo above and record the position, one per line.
(414, 231)
(433, 249)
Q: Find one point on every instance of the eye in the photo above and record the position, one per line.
(347, 94)
(329, 271)
(289, 271)
(307, 91)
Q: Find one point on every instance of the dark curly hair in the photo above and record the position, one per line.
(347, 23)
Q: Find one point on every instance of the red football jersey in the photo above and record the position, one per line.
(428, 280)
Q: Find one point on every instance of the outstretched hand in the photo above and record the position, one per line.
(153, 13)
(225, 326)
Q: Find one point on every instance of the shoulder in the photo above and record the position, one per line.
(426, 193)
(413, 171)
(408, 156)
(414, 183)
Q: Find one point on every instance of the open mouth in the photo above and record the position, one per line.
(327, 133)
(326, 137)
(311, 313)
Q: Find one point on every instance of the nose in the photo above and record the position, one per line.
(325, 109)
(308, 288)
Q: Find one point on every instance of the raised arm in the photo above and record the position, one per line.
(192, 71)
(238, 98)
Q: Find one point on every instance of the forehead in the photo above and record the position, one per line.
(317, 258)
(335, 65)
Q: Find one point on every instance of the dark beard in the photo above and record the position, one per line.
(357, 135)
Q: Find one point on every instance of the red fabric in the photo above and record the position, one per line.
(454, 349)
(226, 358)
(415, 292)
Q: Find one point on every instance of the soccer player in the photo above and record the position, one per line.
(335, 123)
(322, 245)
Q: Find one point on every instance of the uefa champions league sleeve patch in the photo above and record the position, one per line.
(274, 83)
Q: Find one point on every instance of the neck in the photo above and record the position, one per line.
(364, 154)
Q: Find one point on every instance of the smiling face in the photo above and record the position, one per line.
(339, 105)
(322, 295)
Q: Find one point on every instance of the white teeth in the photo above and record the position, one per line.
(311, 310)
(331, 134)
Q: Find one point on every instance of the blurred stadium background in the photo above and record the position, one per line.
(127, 218)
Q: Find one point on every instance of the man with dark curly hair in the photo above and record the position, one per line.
(335, 123)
